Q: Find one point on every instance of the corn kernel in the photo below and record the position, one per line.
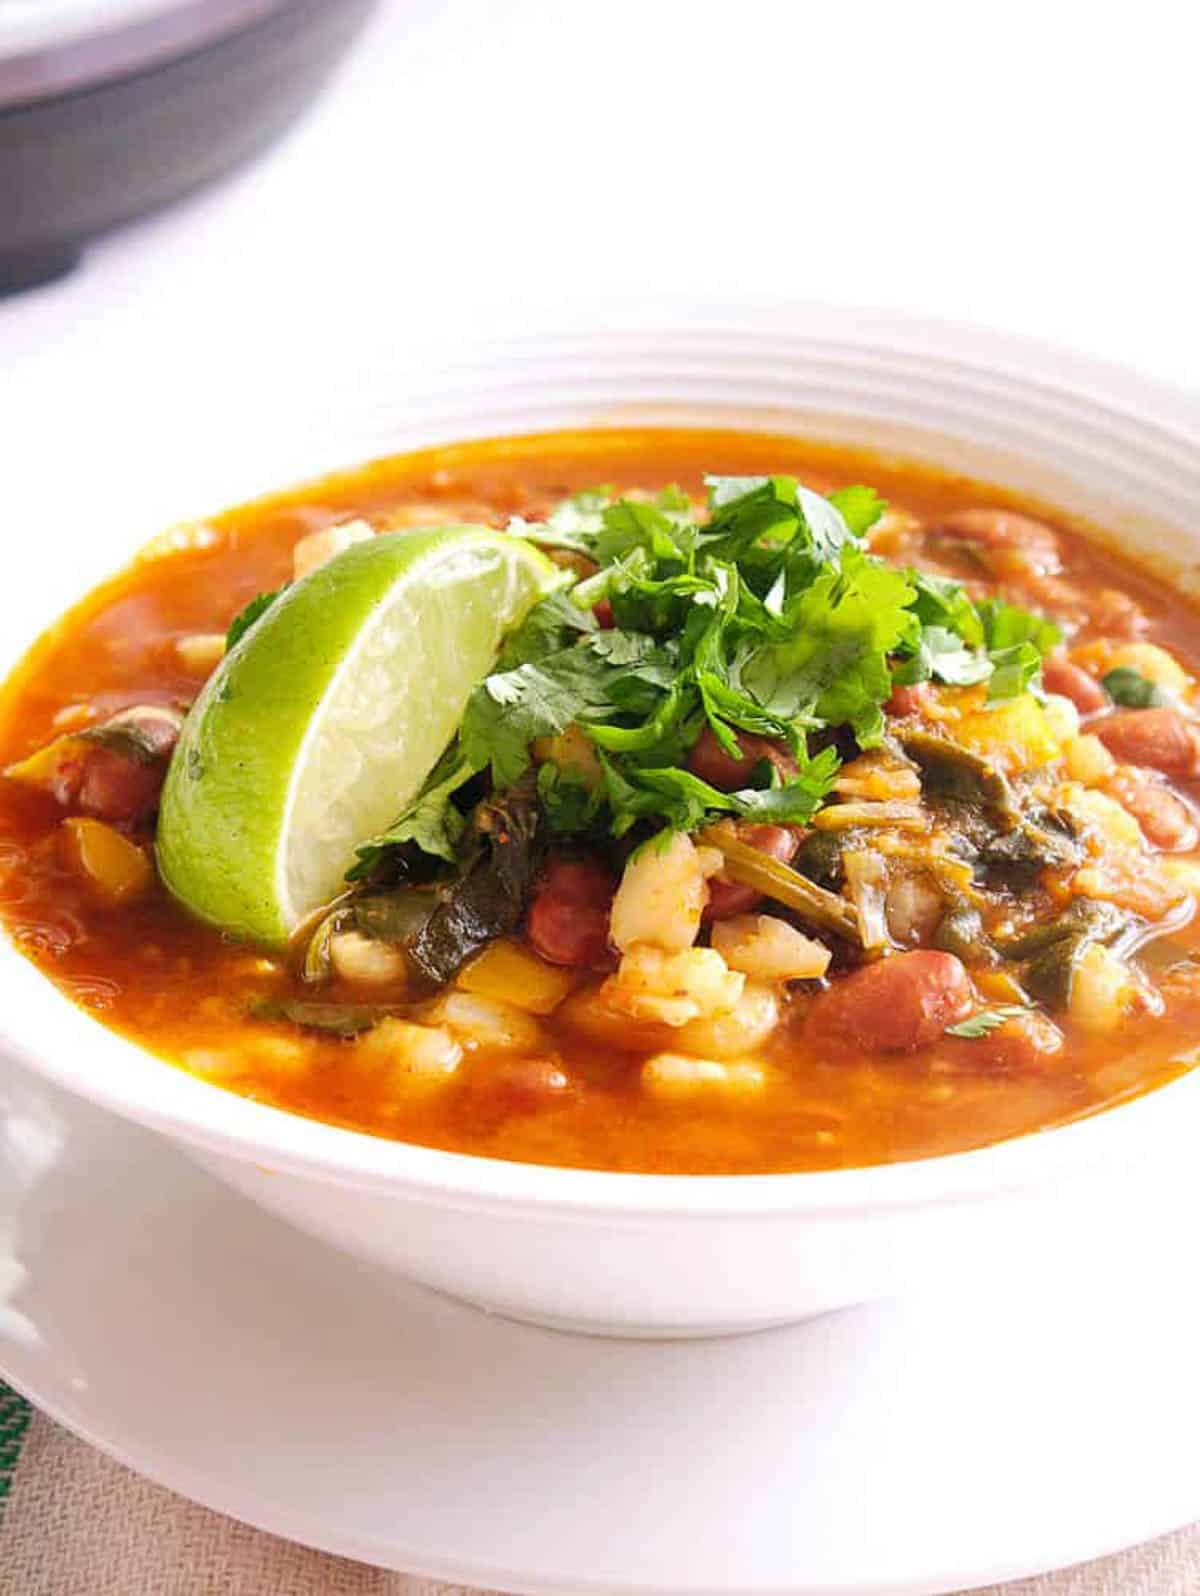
(318, 547)
(201, 652)
(672, 1073)
(410, 1051)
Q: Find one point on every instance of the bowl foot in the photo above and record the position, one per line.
(615, 1330)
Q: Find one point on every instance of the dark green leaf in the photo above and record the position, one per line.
(394, 916)
(337, 1019)
(245, 619)
(1131, 689)
(567, 801)
(488, 899)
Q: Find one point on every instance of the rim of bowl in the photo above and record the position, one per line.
(65, 1043)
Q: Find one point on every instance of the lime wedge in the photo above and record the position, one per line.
(323, 722)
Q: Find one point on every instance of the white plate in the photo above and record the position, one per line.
(915, 1447)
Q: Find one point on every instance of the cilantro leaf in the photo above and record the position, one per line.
(639, 654)
(723, 491)
(684, 800)
(828, 531)
(653, 732)
(1007, 625)
(567, 801)
(510, 709)
(550, 625)
(431, 821)
(941, 602)
(245, 619)
(746, 511)
(768, 620)
(1016, 640)
(942, 656)
(1014, 671)
(835, 663)
(859, 507)
(629, 525)
(573, 524)
(1132, 690)
(986, 1021)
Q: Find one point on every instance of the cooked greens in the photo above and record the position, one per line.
(1132, 690)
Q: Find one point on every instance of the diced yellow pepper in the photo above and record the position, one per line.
(1015, 734)
(509, 973)
(116, 868)
(46, 766)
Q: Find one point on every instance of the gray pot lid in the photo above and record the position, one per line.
(54, 47)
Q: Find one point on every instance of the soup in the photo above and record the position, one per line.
(797, 824)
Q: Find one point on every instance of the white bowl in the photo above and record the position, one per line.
(689, 1255)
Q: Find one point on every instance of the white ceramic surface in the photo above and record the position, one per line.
(644, 1254)
(915, 1447)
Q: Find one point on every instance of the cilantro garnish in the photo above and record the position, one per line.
(769, 618)
(986, 1021)
(245, 619)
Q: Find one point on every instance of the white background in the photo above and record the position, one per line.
(1031, 166)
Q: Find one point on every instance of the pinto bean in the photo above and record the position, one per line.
(1005, 531)
(727, 898)
(568, 918)
(898, 1004)
(522, 1085)
(605, 619)
(712, 764)
(1061, 675)
(1165, 819)
(1158, 738)
(117, 788)
(907, 700)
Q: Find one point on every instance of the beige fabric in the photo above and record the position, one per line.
(79, 1525)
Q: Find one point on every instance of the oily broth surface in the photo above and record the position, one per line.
(182, 991)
